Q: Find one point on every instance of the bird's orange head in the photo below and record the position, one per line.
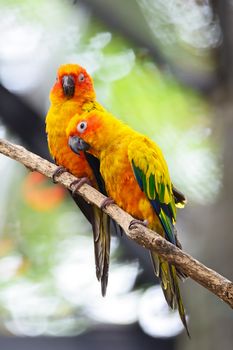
(72, 83)
(86, 133)
(93, 132)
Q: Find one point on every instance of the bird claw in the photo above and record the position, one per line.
(78, 183)
(139, 222)
(60, 170)
(106, 202)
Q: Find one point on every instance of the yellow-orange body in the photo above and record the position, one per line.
(136, 177)
(121, 184)
(60, 113)
(62, 109)
(115, 149)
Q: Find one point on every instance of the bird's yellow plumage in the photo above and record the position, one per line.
(116, 146)
(73, 94)
(120, 162)
(136, 176)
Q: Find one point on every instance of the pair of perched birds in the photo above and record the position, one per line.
(123, 164)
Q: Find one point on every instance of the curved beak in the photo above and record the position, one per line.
(77, 144)
(68, 85)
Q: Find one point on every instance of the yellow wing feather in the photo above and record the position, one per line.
(151, 173)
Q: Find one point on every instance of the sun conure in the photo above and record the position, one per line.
(73, 94)
(136, 177)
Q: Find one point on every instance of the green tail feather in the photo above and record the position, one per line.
(179, 301)
(170, 286)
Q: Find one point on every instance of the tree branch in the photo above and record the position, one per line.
(147, 238)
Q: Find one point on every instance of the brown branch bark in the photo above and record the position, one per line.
(149, 239)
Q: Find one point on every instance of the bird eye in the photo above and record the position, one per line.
(81, 77)
(81, 127)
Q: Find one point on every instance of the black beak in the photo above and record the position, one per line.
(68, 85)
(77, 144)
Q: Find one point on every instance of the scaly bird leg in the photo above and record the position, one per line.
(78, 183)
(136, 221)
(60, 170)
(106, 202)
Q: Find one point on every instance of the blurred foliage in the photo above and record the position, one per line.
(186, 31)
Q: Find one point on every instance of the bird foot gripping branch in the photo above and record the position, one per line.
(106, 202)
(78, 183)
(139, 222)
(60, 170)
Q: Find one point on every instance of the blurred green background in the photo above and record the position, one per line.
(165, 68)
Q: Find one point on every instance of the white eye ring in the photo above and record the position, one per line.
(81, 77)
(81, 127)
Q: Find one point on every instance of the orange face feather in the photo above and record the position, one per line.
(84, 89)
(92, 124)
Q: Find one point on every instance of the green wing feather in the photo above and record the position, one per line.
(151, 173)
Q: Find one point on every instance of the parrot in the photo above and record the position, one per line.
(136, 177)
(73, 94)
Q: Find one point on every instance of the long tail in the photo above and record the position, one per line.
(102, 235)
(170, 285)
(102, 238)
